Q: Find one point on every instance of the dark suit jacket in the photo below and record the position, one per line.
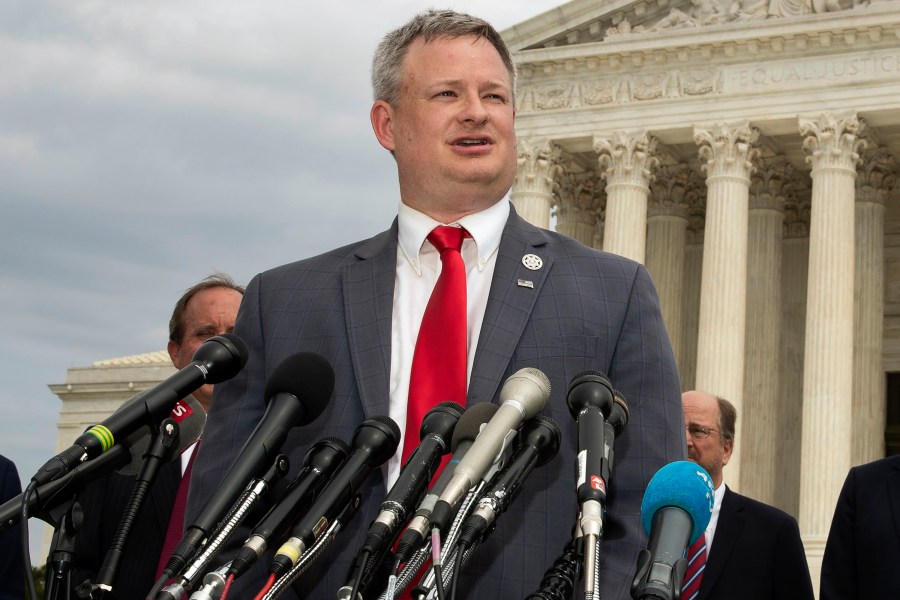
(756, 554)
(862, 554)
(583, 310)
(12, 564)
(104, 502)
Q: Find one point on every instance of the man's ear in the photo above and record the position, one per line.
(382, 117)
(728, 446)
(172, 347)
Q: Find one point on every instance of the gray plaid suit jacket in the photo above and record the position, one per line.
(586, 310)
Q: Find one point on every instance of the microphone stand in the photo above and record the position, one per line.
(67, 516)
(255, 489)
(449, 548)
(67, 520)
(162, 443)
(310, 556)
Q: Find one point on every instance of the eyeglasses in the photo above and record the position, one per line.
(699, 432)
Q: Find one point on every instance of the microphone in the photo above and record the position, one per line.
(217, 359)
(191, 419)
(590, 400)
(373, 444)
(612, 428)
(538, 443)
(675, 511)
(467, 429)
(322, 460)
(298, 390)
(522, 397)
(125, 457)
(434, 435)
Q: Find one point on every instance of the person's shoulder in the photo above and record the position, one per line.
(6, 464)
(334, 260)
(878, 467)
(760, 510)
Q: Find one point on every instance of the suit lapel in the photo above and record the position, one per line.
(728, 531)
(368, 287)
(514, 290)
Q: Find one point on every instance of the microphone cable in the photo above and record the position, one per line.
(560, 579)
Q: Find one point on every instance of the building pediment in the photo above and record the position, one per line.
(587, 21)
(668, 80)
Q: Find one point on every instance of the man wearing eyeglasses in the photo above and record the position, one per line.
(753, 550)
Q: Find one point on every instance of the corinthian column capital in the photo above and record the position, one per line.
(772, 184)
(627, 157)
(876, 174)
(728, 149)
(539, 165)
(832, 141)
(671, 191)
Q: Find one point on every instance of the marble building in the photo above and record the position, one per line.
(745, 153)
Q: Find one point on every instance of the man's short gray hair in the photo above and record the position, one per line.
(387, 66)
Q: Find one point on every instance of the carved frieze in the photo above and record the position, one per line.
(698, 14)
(585, 91)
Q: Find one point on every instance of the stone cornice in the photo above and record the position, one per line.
(827, 33)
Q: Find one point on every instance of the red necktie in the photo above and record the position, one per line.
(696, 556)
(438, 371)
(174, 532)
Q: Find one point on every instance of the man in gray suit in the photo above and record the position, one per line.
(444, 107)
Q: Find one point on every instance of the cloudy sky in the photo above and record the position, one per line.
(144, 145)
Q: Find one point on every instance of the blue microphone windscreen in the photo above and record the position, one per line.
(683, 484)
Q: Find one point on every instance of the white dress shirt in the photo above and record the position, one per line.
(714, 518)
(418, 267)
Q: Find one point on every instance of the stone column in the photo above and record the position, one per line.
(832, 144)
(794, 275)
(667, 223)
(768, 187)
(532, 191)
(627, 161)
(727, 151)
(693, 273)
(875, 177)
(578, 210)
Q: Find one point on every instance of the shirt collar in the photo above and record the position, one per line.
(485, 227)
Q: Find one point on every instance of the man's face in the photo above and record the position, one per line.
(209, 312)
(712, 453)
(452, 127)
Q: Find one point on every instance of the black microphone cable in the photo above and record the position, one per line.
(562, 577)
